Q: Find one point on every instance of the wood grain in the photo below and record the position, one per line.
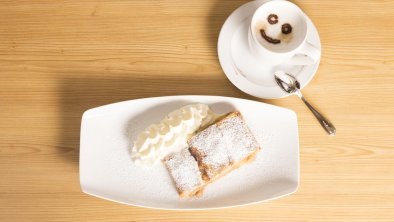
(59, 58)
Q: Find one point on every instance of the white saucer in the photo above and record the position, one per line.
(236, 60)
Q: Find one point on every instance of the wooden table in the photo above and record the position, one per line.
(59, 58)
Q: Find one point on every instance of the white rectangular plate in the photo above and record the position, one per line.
(106, 170)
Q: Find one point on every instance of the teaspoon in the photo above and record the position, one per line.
(293, 86)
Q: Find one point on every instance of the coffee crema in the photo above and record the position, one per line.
(267, 38)
(274, 19)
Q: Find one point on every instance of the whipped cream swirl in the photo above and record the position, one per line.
(171, 134)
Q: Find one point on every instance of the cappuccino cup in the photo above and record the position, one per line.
(278, 35)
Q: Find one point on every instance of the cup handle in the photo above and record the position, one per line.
(307, 55)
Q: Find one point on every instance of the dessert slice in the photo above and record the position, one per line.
(241, 145)
(210, 151)
(185, 173)
(223, 146)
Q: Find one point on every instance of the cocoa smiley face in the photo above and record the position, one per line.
(273, 19)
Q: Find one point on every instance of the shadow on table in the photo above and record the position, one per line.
(216, 18)
(81, 94)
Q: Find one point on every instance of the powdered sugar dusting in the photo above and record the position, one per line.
(220, 144)
(184, 170)
(212, 147)
(238, 138)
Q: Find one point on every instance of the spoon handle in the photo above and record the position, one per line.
(324, 122)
